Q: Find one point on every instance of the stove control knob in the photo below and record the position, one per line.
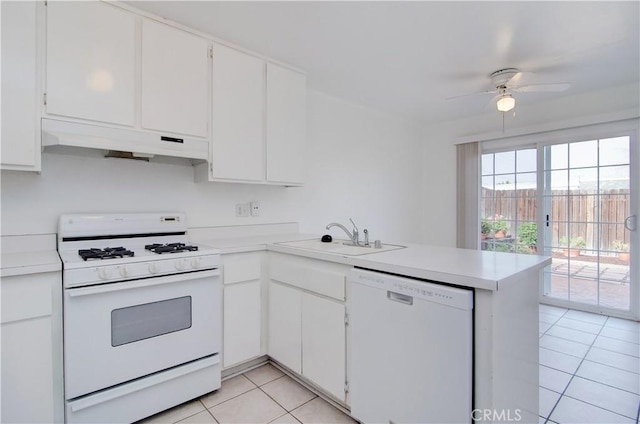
(124, 271)
(153, 268)
(195, 263)
(181, 264)
(104, 273)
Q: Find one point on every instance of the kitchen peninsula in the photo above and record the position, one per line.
(505, 318)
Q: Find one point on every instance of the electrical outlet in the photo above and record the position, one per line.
(255, 209)
(242, 210)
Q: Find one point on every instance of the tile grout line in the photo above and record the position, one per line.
(207, 409)
(273, 399)
(282, 406)
(574, 375)
(546, 419)
(550, 326)
(227, 400)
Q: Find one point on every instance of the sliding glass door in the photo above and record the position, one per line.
(576, 202)
(587, 198)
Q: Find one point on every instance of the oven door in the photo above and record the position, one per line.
(117, 332)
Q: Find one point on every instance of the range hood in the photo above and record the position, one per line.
(140, 144)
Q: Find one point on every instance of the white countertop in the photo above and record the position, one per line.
(22, 263)
(470, 268)
(465, 267)
(250, 244)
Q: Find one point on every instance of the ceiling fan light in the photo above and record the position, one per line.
(506, 103)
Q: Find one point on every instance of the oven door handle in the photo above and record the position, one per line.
(141, 384)
(147, 282)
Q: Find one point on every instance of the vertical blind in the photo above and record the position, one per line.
(468, 187)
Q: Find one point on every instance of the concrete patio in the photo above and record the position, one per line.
(577, 280)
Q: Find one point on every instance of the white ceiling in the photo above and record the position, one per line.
(408, 57)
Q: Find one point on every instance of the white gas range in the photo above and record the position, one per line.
(142, 315)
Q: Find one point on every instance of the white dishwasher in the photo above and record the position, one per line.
(411, 350)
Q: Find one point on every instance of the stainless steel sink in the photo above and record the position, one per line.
(340, 247)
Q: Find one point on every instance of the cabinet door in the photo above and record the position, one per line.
(286, 124)
(90, 61)
(175, 80)
(238, 115)
(324, 343)
(242, 323)
(284, 335)
(20, 148)
(27, 372)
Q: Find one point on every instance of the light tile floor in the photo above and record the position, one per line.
(263, 395)
(589, 368)
(589, 373)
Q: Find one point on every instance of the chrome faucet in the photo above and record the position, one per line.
(353, 236)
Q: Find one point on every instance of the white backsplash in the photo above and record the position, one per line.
(361, 163)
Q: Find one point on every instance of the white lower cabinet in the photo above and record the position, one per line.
(307, 325)
(243, 309)
(32, 348)
(285, 326)
(324, 343)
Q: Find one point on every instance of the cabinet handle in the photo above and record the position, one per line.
(172, 139)
(399, 297)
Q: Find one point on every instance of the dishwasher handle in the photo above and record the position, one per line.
(399, 297)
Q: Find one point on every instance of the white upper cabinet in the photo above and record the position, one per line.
(238, 116)
(20, 143)
(259, 121)
(90, 62)
(286, 125)
(175, 80)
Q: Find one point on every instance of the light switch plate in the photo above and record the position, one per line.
(242, 210)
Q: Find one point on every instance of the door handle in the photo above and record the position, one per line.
(141, 384)
(135, 284)
(630, 223)
(399, 297)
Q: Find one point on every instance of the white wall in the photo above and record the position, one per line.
(439, 178)
(361, 163)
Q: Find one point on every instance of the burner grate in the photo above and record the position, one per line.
(170, 248)
(106, 253)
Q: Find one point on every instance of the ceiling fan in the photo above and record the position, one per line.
(506, 81)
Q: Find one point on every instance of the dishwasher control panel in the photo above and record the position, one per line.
(412, 288)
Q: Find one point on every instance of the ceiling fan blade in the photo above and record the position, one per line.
(540, 87)
(515, 80)
(495, 98)
(473, 94)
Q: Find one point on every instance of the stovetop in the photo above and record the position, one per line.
(86, 254)
(106, 253)
(170, 248)
(120, 252)
(98, 249)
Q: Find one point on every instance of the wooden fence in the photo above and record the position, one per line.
(583, 209)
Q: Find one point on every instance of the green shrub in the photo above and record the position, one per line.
(574, 243)
(498, 247)
(619, 246)
(486, 226)
(578, 243)
(528, 234)
(500, 226)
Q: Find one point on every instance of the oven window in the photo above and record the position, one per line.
(149, 320)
